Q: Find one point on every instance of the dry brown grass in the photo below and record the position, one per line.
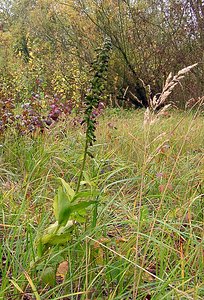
(158, 103)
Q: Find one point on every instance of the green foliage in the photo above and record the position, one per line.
(56, 43)
(143, 238)
(149, 236)
(49, 276)
(68, 209)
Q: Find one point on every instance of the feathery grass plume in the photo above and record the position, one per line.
(153, 112)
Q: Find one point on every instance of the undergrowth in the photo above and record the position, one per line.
(148, 241)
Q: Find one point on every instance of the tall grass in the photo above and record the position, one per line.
(148, 242)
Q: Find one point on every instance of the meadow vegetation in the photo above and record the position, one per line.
(101, 150)
(148, 239)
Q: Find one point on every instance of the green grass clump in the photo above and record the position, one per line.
(148, 240)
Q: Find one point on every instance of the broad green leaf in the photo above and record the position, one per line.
(56, 239)
(49, 276)
(79, 218)
(56, 234)
(55, 207)
(40, 248)
(85, 194)
(80, 206)
(67, 187)
(52, 228)
(56, 229)
(63, 207)
(65, 228)
(46, 238)
(60, 239)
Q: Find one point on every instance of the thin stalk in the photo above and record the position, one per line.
(81, 174)
(95, 213)
(87, 269)
(84, 161)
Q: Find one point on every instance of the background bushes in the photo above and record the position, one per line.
(54, 42)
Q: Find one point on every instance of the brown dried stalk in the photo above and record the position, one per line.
(152, 113)
(170, 84)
